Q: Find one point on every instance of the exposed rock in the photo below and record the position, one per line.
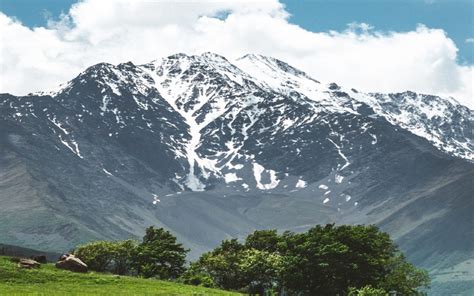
(28, 263)
(71, 263)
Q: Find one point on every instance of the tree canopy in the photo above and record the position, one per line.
(325, 260)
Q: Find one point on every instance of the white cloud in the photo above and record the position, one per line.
(93, 31)
(469, 40)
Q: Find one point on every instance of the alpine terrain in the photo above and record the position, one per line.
(211, 149)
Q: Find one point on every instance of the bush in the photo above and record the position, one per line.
(108, 256)
(193, 276)
(97, 255)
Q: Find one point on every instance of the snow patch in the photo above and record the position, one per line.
(156, 199)
(374, 139)
(231, 177)
(338, 179)
(257, 172)
(323, 187)
(301, 184)
(107, 172)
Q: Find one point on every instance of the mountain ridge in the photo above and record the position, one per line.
(213, 149)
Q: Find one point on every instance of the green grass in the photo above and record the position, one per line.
(49, 280)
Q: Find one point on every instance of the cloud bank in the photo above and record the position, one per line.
(33, 59)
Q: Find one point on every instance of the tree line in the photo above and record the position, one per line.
(325, 260)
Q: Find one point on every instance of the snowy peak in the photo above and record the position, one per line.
(219, 119)
(274, 73)
(271, 64)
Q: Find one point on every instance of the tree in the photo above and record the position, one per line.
(328, 260)
(97, 255)
(223, 265)
(233, 266)
(325, 260)
(404, 277)
(263, 240)
(160, 255)
(260, 270)
(123, 253)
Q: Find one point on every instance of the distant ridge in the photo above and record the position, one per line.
(15, 251)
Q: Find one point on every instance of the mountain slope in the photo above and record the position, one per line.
(213, 149)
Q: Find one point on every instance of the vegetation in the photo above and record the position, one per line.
(97, 255)
(367, 291)
(159, 255)
(326, 260)
(48, 280)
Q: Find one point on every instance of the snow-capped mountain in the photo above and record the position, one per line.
(212, 148)
(212, 95)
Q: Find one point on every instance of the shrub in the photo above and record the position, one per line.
(97, 255)
(115, 256)
(194, 276)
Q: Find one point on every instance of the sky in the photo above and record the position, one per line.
(386, 45)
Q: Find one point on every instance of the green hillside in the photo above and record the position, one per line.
(48, 280)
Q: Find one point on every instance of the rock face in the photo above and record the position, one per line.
(28, 263)
(213, 149)
(71, 263)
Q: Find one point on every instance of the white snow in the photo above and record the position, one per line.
(257, 172)
(301, 184)
(70, 143)
(287, 123)
(347, 197)
(341, 154)
(231, 177)
(156, 199)
(338, 179)
(107, 172)
(374, 139)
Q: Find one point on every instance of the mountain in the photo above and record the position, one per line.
(213, 149)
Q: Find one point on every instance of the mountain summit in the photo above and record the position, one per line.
(210, 149)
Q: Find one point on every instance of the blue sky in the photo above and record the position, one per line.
(456, 17)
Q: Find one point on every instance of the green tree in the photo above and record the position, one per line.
(263, 240)
(123, 254)
(327, 260)
(404, 277)
(160, 255)
(98, 255)
(260, 270)
(223, 265)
